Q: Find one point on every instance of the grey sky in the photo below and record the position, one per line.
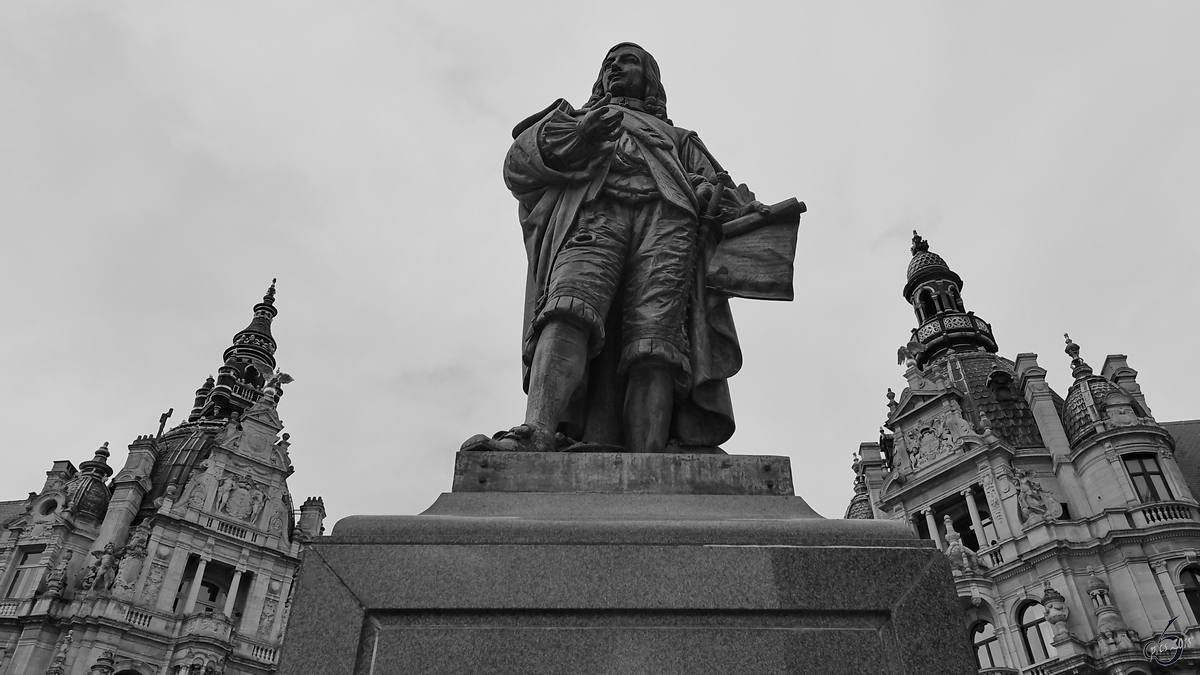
(161, 162)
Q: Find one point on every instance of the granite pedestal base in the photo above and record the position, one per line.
(621, 577)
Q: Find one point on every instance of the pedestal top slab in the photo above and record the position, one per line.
(622, 473)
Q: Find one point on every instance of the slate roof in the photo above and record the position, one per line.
(1187, 450)
(860, 508)
(1010, 418)
(10, 510)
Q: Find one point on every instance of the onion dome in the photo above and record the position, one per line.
(87, 495)
(944, 324)
(926, 264)
(1086, 398)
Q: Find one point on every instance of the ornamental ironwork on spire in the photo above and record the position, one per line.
(255, 341)
(943, 322)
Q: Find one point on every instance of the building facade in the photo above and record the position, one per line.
(1071, 522)
(181, 563)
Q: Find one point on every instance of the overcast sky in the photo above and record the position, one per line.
(161, 162)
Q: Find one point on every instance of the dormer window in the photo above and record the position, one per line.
(1000, 384)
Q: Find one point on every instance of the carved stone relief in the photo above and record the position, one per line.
(928, 443)
(241, 497)
(993, 497)
(154, 582)
(268, 617)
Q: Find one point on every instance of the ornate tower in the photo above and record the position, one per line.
(1069, 522)
(943, 322)
(183, 563)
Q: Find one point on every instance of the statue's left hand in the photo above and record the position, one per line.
(754, 206)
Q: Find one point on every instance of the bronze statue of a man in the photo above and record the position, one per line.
(629, 340)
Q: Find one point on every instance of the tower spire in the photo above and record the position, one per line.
(255, 340)
(249, 361)
(1079, 368)
(943, 322)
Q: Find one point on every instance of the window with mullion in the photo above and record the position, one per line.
(1036, 634)
(1190, 578)
(984, 638)
(1147, 478)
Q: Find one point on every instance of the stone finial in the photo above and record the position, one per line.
(104, 665)
(918, 244)
(1056, 610)
(58, 662)
(1079, 368)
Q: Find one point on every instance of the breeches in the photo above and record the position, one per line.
(640, 255)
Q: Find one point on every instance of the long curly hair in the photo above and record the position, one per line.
(656, 95)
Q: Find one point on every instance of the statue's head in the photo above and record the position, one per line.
(630, 71)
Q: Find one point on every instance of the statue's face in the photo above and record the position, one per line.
(623, 73)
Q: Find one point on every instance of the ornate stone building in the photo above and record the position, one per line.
(1071, 522)
(180, 564)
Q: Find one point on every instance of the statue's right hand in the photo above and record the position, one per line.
(601, 123)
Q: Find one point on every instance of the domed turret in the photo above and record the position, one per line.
(87, 495)
(860, 505)
(934, 291)
(1088, 398)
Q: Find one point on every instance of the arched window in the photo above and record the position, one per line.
(1036, 634)
(252, 377)
(987, 652)
(1147, 478)
(1190, 578)
(955, 298)
(928, 309)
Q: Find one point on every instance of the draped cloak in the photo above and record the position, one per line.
(550, 197)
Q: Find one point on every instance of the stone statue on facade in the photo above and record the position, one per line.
(56, 580)
(1034, 503)
(962, 559)
(132, 557)
(223, 490)
(232, 432)
(106, 567)
(636, 240)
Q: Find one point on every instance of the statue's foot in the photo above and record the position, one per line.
(521, 438)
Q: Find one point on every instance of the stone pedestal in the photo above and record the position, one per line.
(636, 564)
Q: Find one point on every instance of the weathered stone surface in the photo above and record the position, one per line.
(581, 583)
(622, 472)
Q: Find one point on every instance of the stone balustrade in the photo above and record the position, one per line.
(1155, 514)
(992, 555)
(256, 650)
